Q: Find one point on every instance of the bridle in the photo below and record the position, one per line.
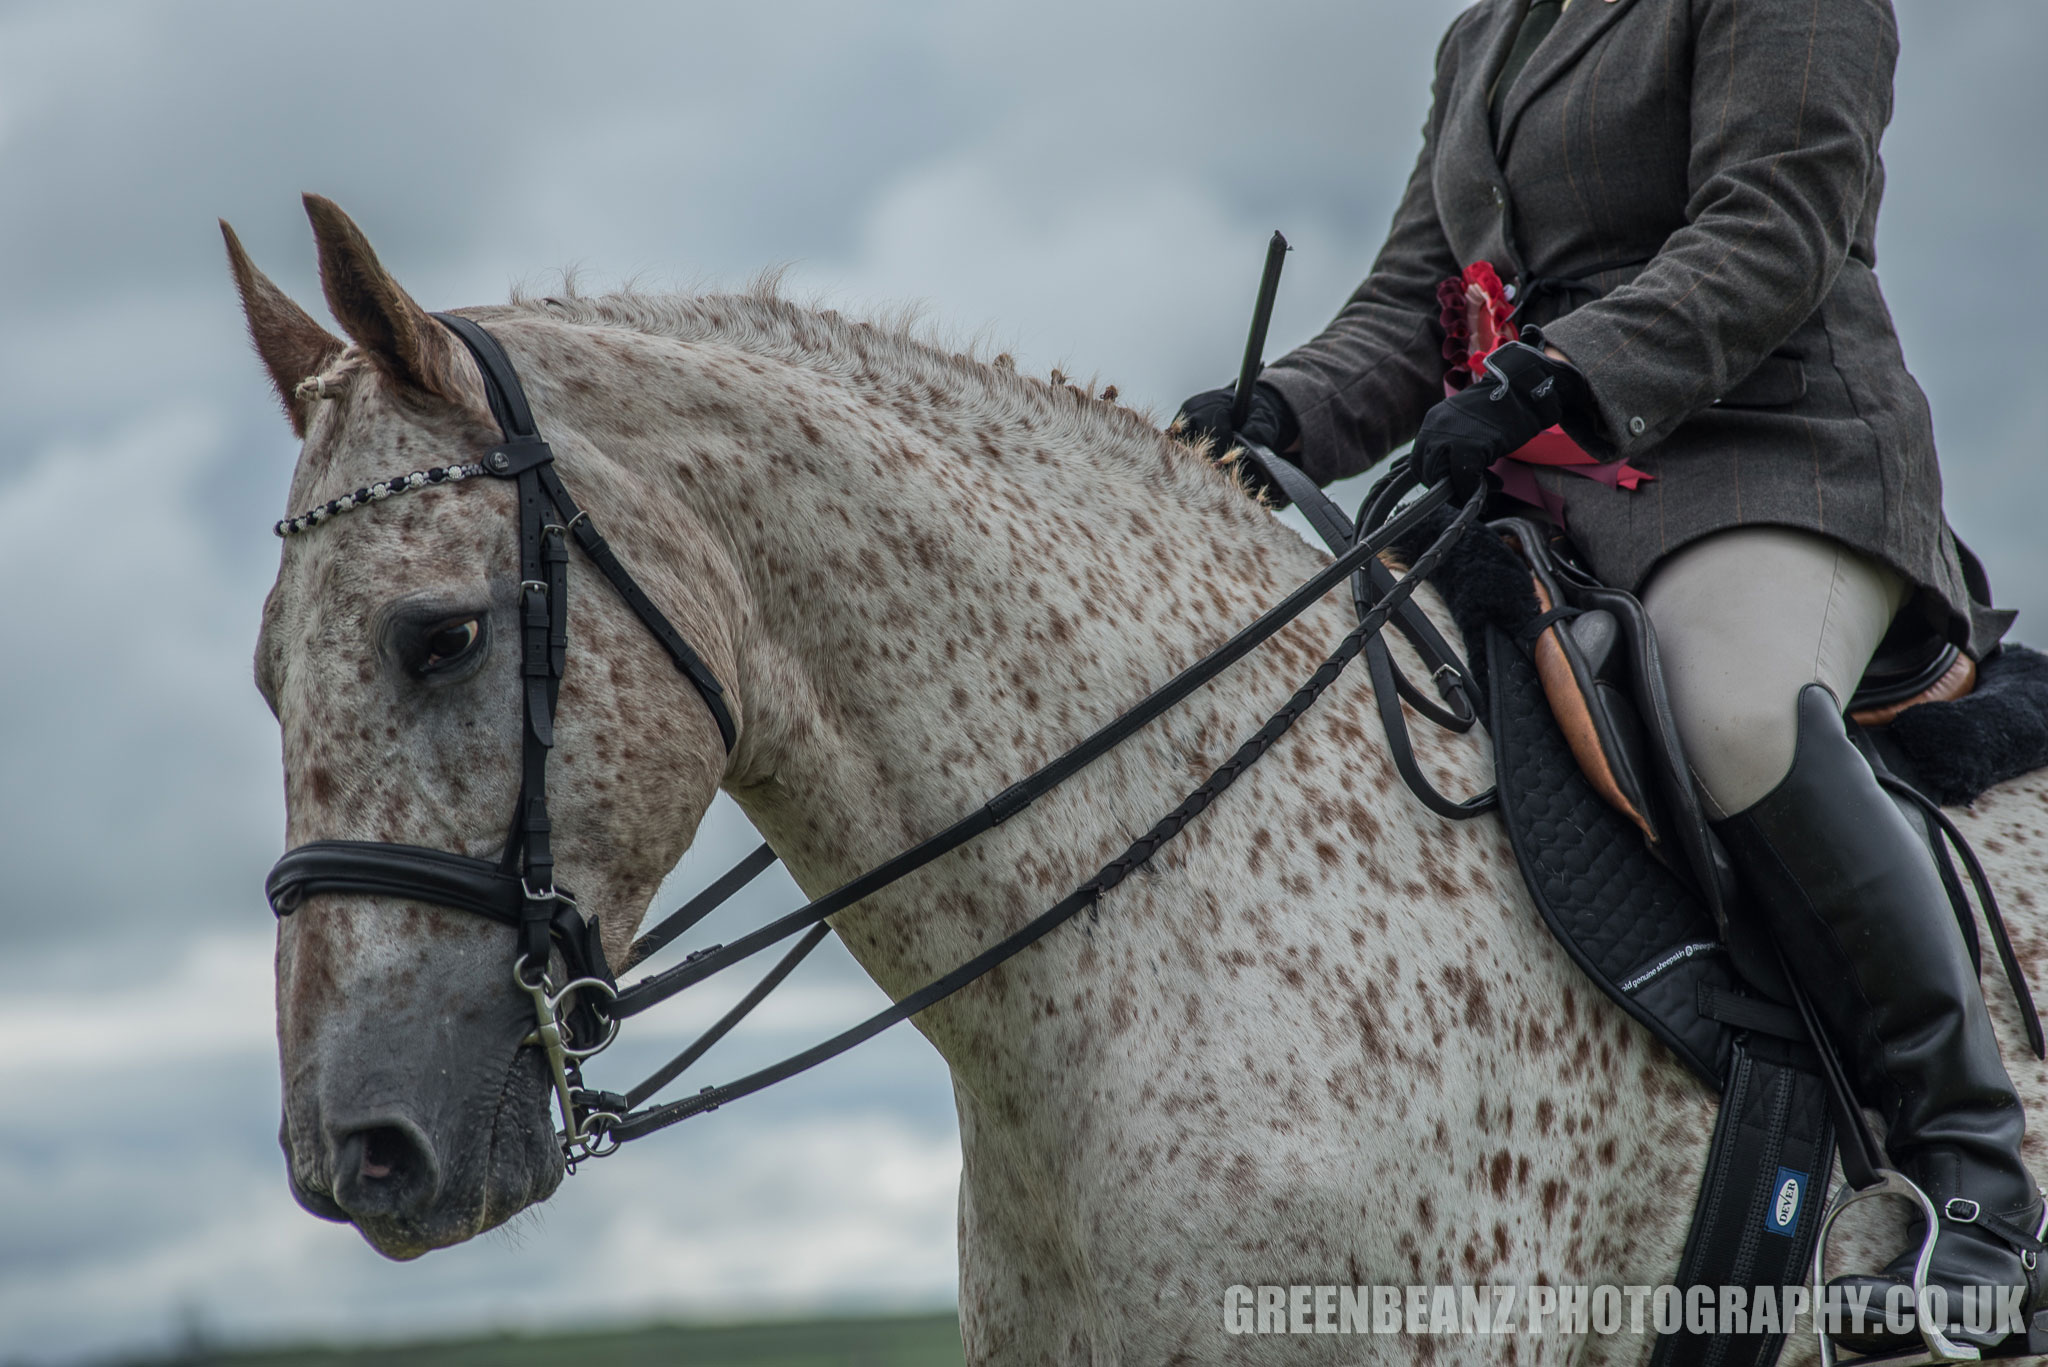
(520, 888)
(579, 1017)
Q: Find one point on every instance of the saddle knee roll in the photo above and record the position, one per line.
(1584, 668)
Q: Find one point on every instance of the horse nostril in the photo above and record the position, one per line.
(385, 1150)
(385, 1170)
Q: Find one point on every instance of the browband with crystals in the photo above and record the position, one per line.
(372, 493)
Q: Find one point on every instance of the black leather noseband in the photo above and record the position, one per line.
(443, 879)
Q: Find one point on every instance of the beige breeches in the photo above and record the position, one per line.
(1745, 619)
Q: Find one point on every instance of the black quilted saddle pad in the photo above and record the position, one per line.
(1630, 924)
(1625, 918)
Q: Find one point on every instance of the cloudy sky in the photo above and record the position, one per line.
(1088, 185)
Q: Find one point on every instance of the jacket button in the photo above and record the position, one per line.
(1500, 196)
(1636, 427)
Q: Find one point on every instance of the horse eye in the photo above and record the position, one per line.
(447, 645)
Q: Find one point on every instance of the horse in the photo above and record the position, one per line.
(1322, 1039)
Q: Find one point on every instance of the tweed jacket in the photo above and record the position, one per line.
(1704, 177)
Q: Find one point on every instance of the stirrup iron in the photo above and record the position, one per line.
(1939, 1348)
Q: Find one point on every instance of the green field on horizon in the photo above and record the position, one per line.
(891, 1341)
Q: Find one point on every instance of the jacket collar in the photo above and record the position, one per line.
(1500, 39)
(1577, 27)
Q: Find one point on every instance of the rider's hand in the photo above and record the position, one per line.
(1271, 423)
(1522, 392)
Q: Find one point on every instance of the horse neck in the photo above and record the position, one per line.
(949, 576)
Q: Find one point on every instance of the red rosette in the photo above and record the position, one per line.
(1487, 312)
(1473, 310)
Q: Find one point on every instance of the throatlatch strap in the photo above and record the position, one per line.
(526, 457)
(601, 555)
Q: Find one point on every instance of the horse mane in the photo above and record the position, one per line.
(895, 352)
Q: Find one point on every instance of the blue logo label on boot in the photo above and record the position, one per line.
(1788, 1193)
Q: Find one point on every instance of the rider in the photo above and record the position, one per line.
(1682, 199)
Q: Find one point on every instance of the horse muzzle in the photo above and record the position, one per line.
(463, 1152)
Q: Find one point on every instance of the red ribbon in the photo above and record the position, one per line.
(1552, 449)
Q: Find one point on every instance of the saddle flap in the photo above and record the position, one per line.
(1590, 697)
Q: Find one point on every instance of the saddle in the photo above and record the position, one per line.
(1596, 656)
(1917, 715)
(1617, 853)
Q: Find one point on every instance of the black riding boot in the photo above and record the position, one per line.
(1856, 903)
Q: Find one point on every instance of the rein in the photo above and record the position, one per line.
(581, 1016)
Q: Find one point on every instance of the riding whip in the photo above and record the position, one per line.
(1255, 344)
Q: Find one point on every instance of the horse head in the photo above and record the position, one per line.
(414, 1106)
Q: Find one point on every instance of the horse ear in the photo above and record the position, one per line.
(291, 344)
(377, 315)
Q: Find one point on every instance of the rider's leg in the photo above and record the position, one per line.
(1764, 632)
(1747, 618)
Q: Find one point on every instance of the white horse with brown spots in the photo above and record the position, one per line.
(1322, 1039)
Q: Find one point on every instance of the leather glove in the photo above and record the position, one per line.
(1522, 393)
(1271, 423)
